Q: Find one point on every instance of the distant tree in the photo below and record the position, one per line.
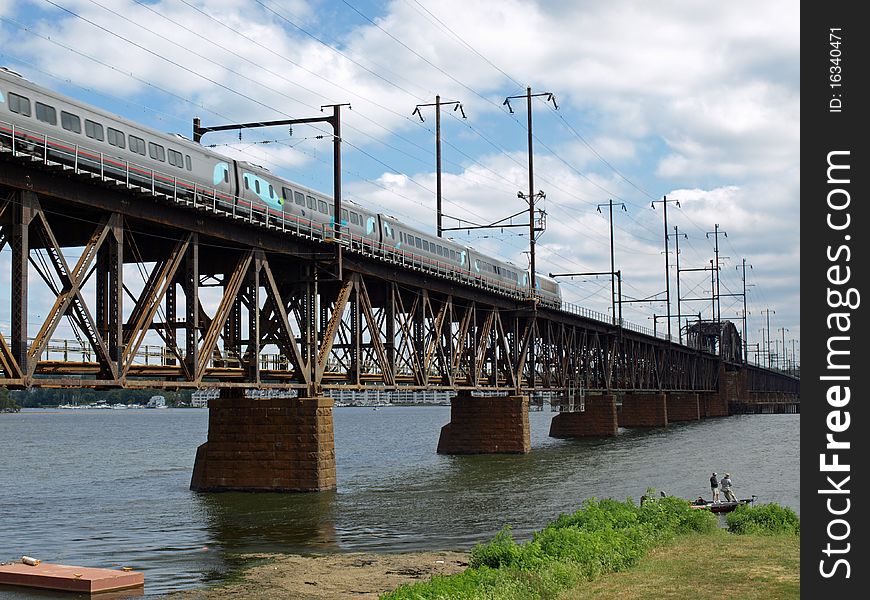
(7, 404)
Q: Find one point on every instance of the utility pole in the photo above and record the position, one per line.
(530, 198)
(783, 330)
(335, 121)
(716, 233)
(767, 311)
(699, 299)
(664, 202)
(438, 104)
(611, 273)
(713, 292)
(612, 261)
(745, 316)
(677, 235)
(655, 318)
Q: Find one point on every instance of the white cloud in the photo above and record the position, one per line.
(694, 100)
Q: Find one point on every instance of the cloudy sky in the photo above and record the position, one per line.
(696, 101)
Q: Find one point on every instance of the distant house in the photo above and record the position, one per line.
(200, 398)
(156, 402)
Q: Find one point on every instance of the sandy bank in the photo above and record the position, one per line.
(332, 576)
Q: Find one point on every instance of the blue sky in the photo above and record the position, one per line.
(696, 101)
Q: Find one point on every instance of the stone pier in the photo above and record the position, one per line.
(598, 419)
(714, 405)
(266, 445)
(487, 425)
(644, 410)
(683, 406)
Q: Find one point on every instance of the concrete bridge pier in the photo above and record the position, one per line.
(266, 445)
(598, 419)
(683, 406)
(486, 425)
(644, 410)
(714, 405)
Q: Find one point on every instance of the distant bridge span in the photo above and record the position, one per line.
(172, 292)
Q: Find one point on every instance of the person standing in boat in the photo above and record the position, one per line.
(714, 487)
(726, 488)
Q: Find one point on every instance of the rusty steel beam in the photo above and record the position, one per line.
(331, 328)
(227, 303)
(381, 325)
(70, 300)
(139, 324)
(284, 333)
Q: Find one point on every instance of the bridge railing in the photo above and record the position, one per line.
(56, 151)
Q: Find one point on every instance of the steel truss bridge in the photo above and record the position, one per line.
(170, 290)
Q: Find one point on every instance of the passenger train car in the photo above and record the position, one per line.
(35, 119)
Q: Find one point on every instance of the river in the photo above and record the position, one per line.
(106, 488)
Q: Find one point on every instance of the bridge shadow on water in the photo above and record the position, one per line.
(254, 523)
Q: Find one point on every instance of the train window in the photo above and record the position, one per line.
(299, 198)
(440, 250)
(247, 185)
(354, 218)
(70, 122)
(321, 206)
(418, 242)
(176, 159)
(46, 113)
(426, 245)
(331, 210)
(187, 162)
(271, 191)
(137, 145)
(19, 104)
(156, 151)
(345, 215)
(115, 137)
(93, 130)
(257, 185)
(312, 203)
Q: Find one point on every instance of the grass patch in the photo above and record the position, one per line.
(765, 519)
(663, 548)
(706, 567)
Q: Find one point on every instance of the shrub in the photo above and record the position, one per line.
(602, 537)
(502, 551)
(764, 519)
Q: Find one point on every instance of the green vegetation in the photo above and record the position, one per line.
(7, 403)
(765, 519)
(708, 566)
(37, 397)
(609, 536)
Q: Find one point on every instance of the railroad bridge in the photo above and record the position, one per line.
(173, 291)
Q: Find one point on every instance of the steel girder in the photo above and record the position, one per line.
(256, 316)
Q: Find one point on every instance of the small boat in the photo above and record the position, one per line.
(721, 507)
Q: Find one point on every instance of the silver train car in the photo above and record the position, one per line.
(35, 119)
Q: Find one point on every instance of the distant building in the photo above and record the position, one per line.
(380, 397)
(156, 402)
(200, 398)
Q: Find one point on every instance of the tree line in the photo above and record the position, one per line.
(36, 397)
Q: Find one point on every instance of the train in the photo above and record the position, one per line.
(35, 119)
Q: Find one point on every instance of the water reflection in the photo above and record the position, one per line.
(247, 523)
(112, 489)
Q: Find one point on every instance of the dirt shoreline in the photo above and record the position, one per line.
(331, 576)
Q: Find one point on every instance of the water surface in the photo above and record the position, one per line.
(110, 488)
